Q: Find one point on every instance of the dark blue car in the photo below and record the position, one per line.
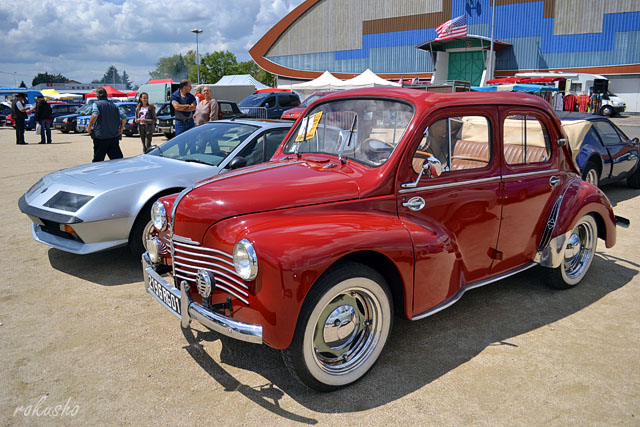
(56, 111)
(605, 154)
(129, 110)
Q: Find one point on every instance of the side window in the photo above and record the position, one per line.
(254, 152)
(271, 100)
(288, 101)
(607, 132)
(526, 140)
(461, 142)
(225, 108)
(273, 140)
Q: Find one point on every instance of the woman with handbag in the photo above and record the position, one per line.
(146, 119)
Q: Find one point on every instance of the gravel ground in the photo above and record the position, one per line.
(81, 336)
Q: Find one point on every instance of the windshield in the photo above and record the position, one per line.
(364, 130)
(210, 143)
(86, 109)
(310, 99)
(163, 109)
(252, 101)
(127, 109)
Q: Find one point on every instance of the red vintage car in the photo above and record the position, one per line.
(379, 201)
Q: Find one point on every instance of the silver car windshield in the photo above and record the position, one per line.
(364, 130)
(210, 143)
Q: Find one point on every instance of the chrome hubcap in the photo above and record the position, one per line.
(579, 250)
(592, 177)
(347, 331)
(148, 232)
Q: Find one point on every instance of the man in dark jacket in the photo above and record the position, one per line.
(105, 127)
(19, 114)
(43, 116)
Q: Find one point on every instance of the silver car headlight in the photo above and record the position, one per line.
(66, 201)
(159, 216)
(245, 260)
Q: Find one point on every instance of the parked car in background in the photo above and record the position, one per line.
(166, 116)
(67, 123)
(57, 109)
(603, 152)
(104, 205)
(268, 104)
(5, 110)
(379, 200)
(294, 113)
(127, 108)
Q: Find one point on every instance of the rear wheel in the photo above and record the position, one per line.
(606, 111)
(577, 254)
(343, 326)
(591, 173)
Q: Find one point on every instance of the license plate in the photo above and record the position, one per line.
(165, 293)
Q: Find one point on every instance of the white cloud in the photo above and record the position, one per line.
(81, 39)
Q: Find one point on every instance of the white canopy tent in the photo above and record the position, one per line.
(240, 79)
(326, 81)
(367, 79)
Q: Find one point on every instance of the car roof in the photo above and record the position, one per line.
(571, 115)
(265, 123)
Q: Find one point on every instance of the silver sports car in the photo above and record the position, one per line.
(104, 205)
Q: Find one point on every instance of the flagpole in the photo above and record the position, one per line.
(493, 24)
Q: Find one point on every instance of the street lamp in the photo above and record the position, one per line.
(197, 31)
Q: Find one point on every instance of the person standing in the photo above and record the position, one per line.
(207, 109)
(199, 96)
(43, 116)
(19, 114)
(105, 127)
(184, 104)
(146, 119)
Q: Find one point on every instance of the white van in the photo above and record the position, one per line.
(158, 92)
(585, 84)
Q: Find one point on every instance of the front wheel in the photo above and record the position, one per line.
(606, 111)
(343, 326)
(142, 230)
(577, 255)
(591, 173)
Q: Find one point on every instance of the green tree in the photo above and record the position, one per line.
(22, 84)
(125, 80)
(214, 66)
(111, 77)
(48, 78)
(170, 67)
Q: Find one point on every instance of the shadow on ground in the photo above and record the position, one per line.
(619, 192)
(108, 268)
(418, 352)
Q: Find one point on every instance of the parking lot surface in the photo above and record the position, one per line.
(80, 334)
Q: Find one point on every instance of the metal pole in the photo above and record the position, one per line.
(197, 31)
(493, 25)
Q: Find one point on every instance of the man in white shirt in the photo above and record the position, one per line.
(19, 115)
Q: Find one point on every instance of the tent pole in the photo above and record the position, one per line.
(493, 24)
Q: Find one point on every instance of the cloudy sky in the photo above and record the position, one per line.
(81, 39)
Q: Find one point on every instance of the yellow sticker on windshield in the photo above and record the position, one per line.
(308, 127)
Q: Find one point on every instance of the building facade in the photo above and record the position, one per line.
(395, 38)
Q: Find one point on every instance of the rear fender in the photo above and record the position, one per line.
(578, 200)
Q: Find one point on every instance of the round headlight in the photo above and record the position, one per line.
(159, 216)
(245, 260)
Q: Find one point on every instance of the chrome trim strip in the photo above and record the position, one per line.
(186, 240)
(192, 310)
(473, 285)
(207, 266)
(451, 184)
(189, 273)
(201, 248)
(208, 257)
(523, 174)
(243, 172)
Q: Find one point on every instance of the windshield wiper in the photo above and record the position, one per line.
(341, 149)
(197, 161)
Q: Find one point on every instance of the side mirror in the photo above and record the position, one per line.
(562, 142)
(266, 105)
(635, 141)
(432, 167)
(237, 162)
(150, 149)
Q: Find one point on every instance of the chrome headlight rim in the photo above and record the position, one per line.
(159, 216)
(245, 260)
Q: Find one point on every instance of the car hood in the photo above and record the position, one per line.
(266, 187)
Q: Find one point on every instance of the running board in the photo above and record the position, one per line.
(448, 303)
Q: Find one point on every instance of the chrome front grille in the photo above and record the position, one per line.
(189, 258)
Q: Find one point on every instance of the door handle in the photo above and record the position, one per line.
(553, 181)
(415, 203)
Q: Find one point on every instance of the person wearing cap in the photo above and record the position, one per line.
(19, 114)
(43, 116)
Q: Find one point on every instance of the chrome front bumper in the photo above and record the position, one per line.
(189, 310)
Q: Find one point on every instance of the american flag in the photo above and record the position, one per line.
(453, 28)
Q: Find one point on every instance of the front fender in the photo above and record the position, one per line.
(295, 247)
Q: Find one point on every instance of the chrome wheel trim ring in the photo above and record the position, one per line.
(579, 251)
(355, 352)
(147, 233)
(592, 177)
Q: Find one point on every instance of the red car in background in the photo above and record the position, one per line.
(294, 113)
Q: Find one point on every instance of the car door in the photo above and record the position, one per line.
(623, 155)
(531, 180)
(453, 218)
